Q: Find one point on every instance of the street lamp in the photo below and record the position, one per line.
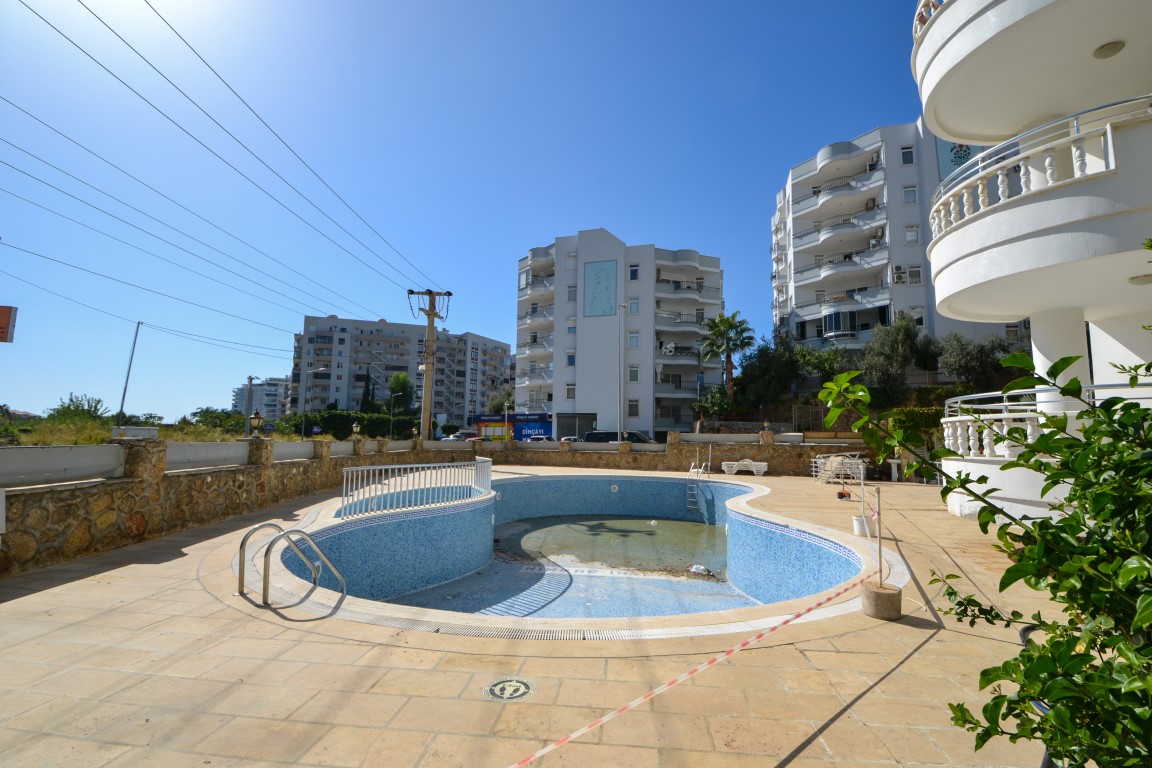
(391, 413)
(356, 429)
(303, 390)
(254, 421)
(620, 380)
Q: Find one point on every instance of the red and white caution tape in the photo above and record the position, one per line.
(687, 675)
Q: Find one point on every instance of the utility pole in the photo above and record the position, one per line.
(428, 308)
(248, 408)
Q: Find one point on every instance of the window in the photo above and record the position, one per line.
(633, 306)
(633, 271)
(633, 339)
(571, 359)
(910, 195)
(572, 329)
(340, 342)
(571, 293)
(633, 373)
(914, 276)
(907, 155)
(570, 392)
(633, 409)
(912, 234)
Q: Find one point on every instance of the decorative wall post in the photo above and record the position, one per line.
(260, 452)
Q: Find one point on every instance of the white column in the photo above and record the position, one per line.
(1123, 341)
(1060, 333)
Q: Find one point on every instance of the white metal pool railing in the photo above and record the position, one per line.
(372, 490)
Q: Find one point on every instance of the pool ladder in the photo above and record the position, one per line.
(692, 491)
(287, 536)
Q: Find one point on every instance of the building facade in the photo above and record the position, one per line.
(1048, 223)
(608, 335)
(849, 239)
(335, 358)
(269, 396)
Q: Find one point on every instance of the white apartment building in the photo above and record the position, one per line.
(849, 235)
(1049, 223)
(269, 396)
(608, 335)
(337, 357)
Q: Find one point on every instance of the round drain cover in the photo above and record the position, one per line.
(509, 689)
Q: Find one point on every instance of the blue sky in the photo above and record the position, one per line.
(463, 133)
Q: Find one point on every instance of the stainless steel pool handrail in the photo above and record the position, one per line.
(287, 536)
(244, 546)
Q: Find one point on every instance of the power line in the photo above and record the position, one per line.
(209, 149)
(131, 245)
(142, 288)
(175, 202)
(289, 148)
(184, 334)
(144, 250)
(232, 136)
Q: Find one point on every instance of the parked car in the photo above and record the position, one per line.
(604, 436)
(454, 438)
(541, 439)
(570, 439)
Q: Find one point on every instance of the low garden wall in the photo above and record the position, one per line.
(45, 524)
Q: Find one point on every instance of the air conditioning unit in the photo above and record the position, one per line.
(870, 205)
(871, 167)
(875, 243)
(875, 157)
(879, 233)
(899, 279)
(898, 270)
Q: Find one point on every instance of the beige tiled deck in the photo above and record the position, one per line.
(138, 657)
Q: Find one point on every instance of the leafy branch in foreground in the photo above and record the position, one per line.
(1092, 664)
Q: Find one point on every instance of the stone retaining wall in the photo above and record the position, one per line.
(52, 523)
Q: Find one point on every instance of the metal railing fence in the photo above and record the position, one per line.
(375, 490)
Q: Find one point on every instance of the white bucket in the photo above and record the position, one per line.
(863, 525)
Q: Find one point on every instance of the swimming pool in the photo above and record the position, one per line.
(385, 557)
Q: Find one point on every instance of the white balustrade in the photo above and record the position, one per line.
(382, 489)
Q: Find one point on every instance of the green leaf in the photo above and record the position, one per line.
(1019, 360)
(1143, 613)
(1016, 572)
(1024, 382)
(1136, 567)
(1061, 365)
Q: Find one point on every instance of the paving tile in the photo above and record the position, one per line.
(779, 705)
(59, 752)
(78, 718)
(909, 745)
(751, 736)
(658, 729)
(162, 728)
(256, 671)
(600, 693)
(171, 692)
(85, 683)
(447, 716)
(335, 653)
(401, 658)
(703, 701)
(501, 665)
(455, 751)
(422, 682)
(336, 677)
(848, 740)
(344, 708)
(546, 723)
(578, 755)
(258, 739)
(344, 745)
(250, 700)
(591, 669)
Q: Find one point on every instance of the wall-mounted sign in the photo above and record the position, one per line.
(7, 323)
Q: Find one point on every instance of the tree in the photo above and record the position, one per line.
(403, 392)
(727, 336)
(218, 418)
(892, 350)
(79, 408)
(973, 361)
(368, 399)
(503, 399)
(1092, 664)
(713, 403)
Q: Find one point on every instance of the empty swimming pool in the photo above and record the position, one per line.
(583, 547)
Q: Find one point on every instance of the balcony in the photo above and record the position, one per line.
(867, 223)
(537, 286)
(536, 348)
(863, 261)
(533, 376)
(534, 406)
(687, 258)
(1053, 218)
(677, 321)
(680, 289)
(986, 68)
(542, 316)
(842, 192)
(673, 390)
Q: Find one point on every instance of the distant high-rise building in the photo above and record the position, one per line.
(338, 357)
(849, 237)
(269, 396)
(608, 335)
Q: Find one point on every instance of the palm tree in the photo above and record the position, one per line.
(727, 336)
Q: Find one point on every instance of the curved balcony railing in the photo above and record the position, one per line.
(542, 315)
(973, 423)
(1070, 148)
(926, 10)
(537, 285)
